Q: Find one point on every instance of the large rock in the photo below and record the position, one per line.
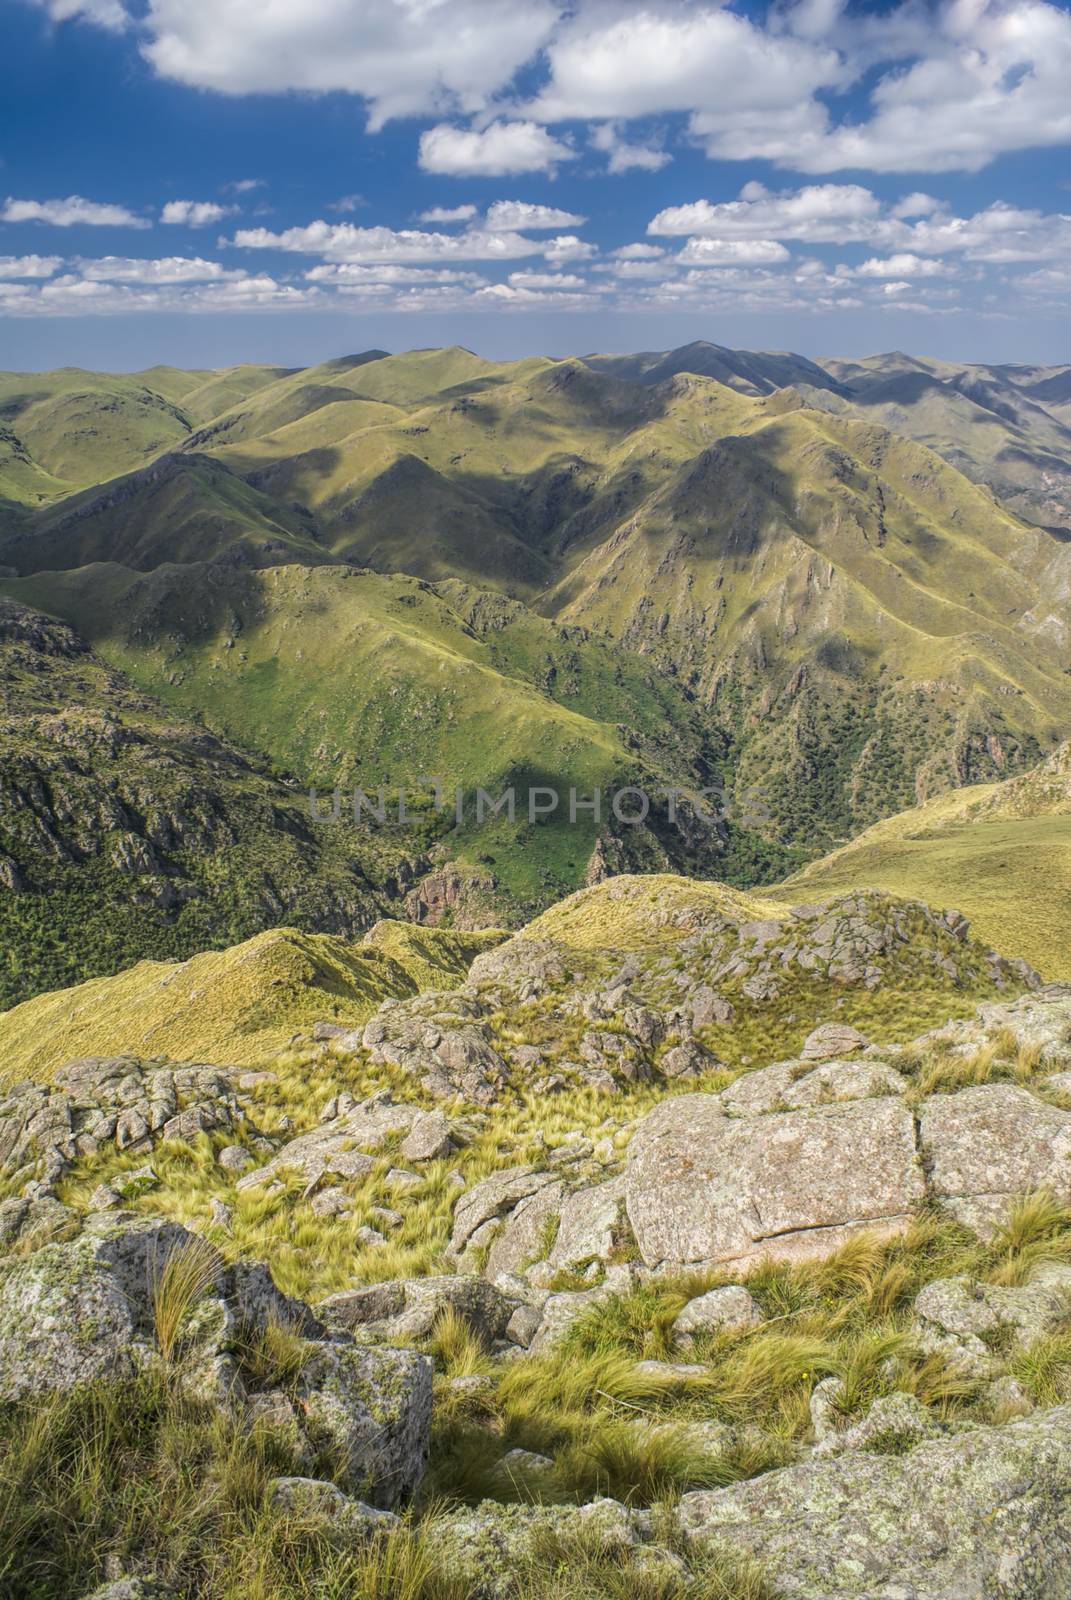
(704, 1187)
(339, 1146)
(984, 1515)
(795, 1085)
(481, 1210)
(79, 1311)
(985, 1146)
(591, 1224)
(83, 1311)
(372, 1408)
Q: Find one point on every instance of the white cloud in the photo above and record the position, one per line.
(614, 63)
(904, 265)
(506, 215)
(567, 247)
(343, 241)
(499, 150)
(916, 205)
(348, 272)
(547, 280)
(348, 203)
(164, 269)
(244, 185)
(637, 252)
(29, 266)
(819, 213)
(730, 252)
(448, 214)
(194, 213)
(990, 76)
(405, 57)
(74, 294)
(623, 156)
(71, 212)
(110, 14)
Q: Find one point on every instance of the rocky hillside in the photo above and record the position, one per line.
(144, 831)
(666, 1243)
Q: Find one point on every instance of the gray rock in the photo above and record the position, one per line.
(727, 1308)
(315, 1499)
(831, 1040)
(703, 1187)
(977, 1516)
(490, 1547)
(441, 1040)
(338, 1147)
(79, 1311)
(795, 1085)
(491, 1200)
(235, 1158)
(986, 1146)
(373, 1408)
(428, 1139)
(592, 1225)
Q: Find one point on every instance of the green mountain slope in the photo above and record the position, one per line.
(635, 567)
(1000, 853)
(996, 425)
(126, 831)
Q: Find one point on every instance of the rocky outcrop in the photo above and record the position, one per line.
(93, 1308)
(704, 1187)
(985, 1145)
(116, 1101)
(443, 1041)
(977, 1516)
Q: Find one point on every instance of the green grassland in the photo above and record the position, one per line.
(1000, 853)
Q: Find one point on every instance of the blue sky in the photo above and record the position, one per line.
(205, 181)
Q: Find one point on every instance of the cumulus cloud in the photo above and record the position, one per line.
(343, 241)
(730, 252)
(448, 214)
(820, 213)
(71, 212)
(193, 213)
(623, 156)
(405, 57)
(29, 266)
(500, 150)
(943, 85)
(164, 269)
(899, 266)
(505, 215)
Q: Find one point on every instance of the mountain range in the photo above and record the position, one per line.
(833, 590)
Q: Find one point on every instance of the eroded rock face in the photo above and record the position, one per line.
(794, 1085)
(982, 1515)
(443, 1041)
(704, 1187)
(82, 1310)
(117, 1101)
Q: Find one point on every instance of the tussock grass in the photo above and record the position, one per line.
(180, 1282)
